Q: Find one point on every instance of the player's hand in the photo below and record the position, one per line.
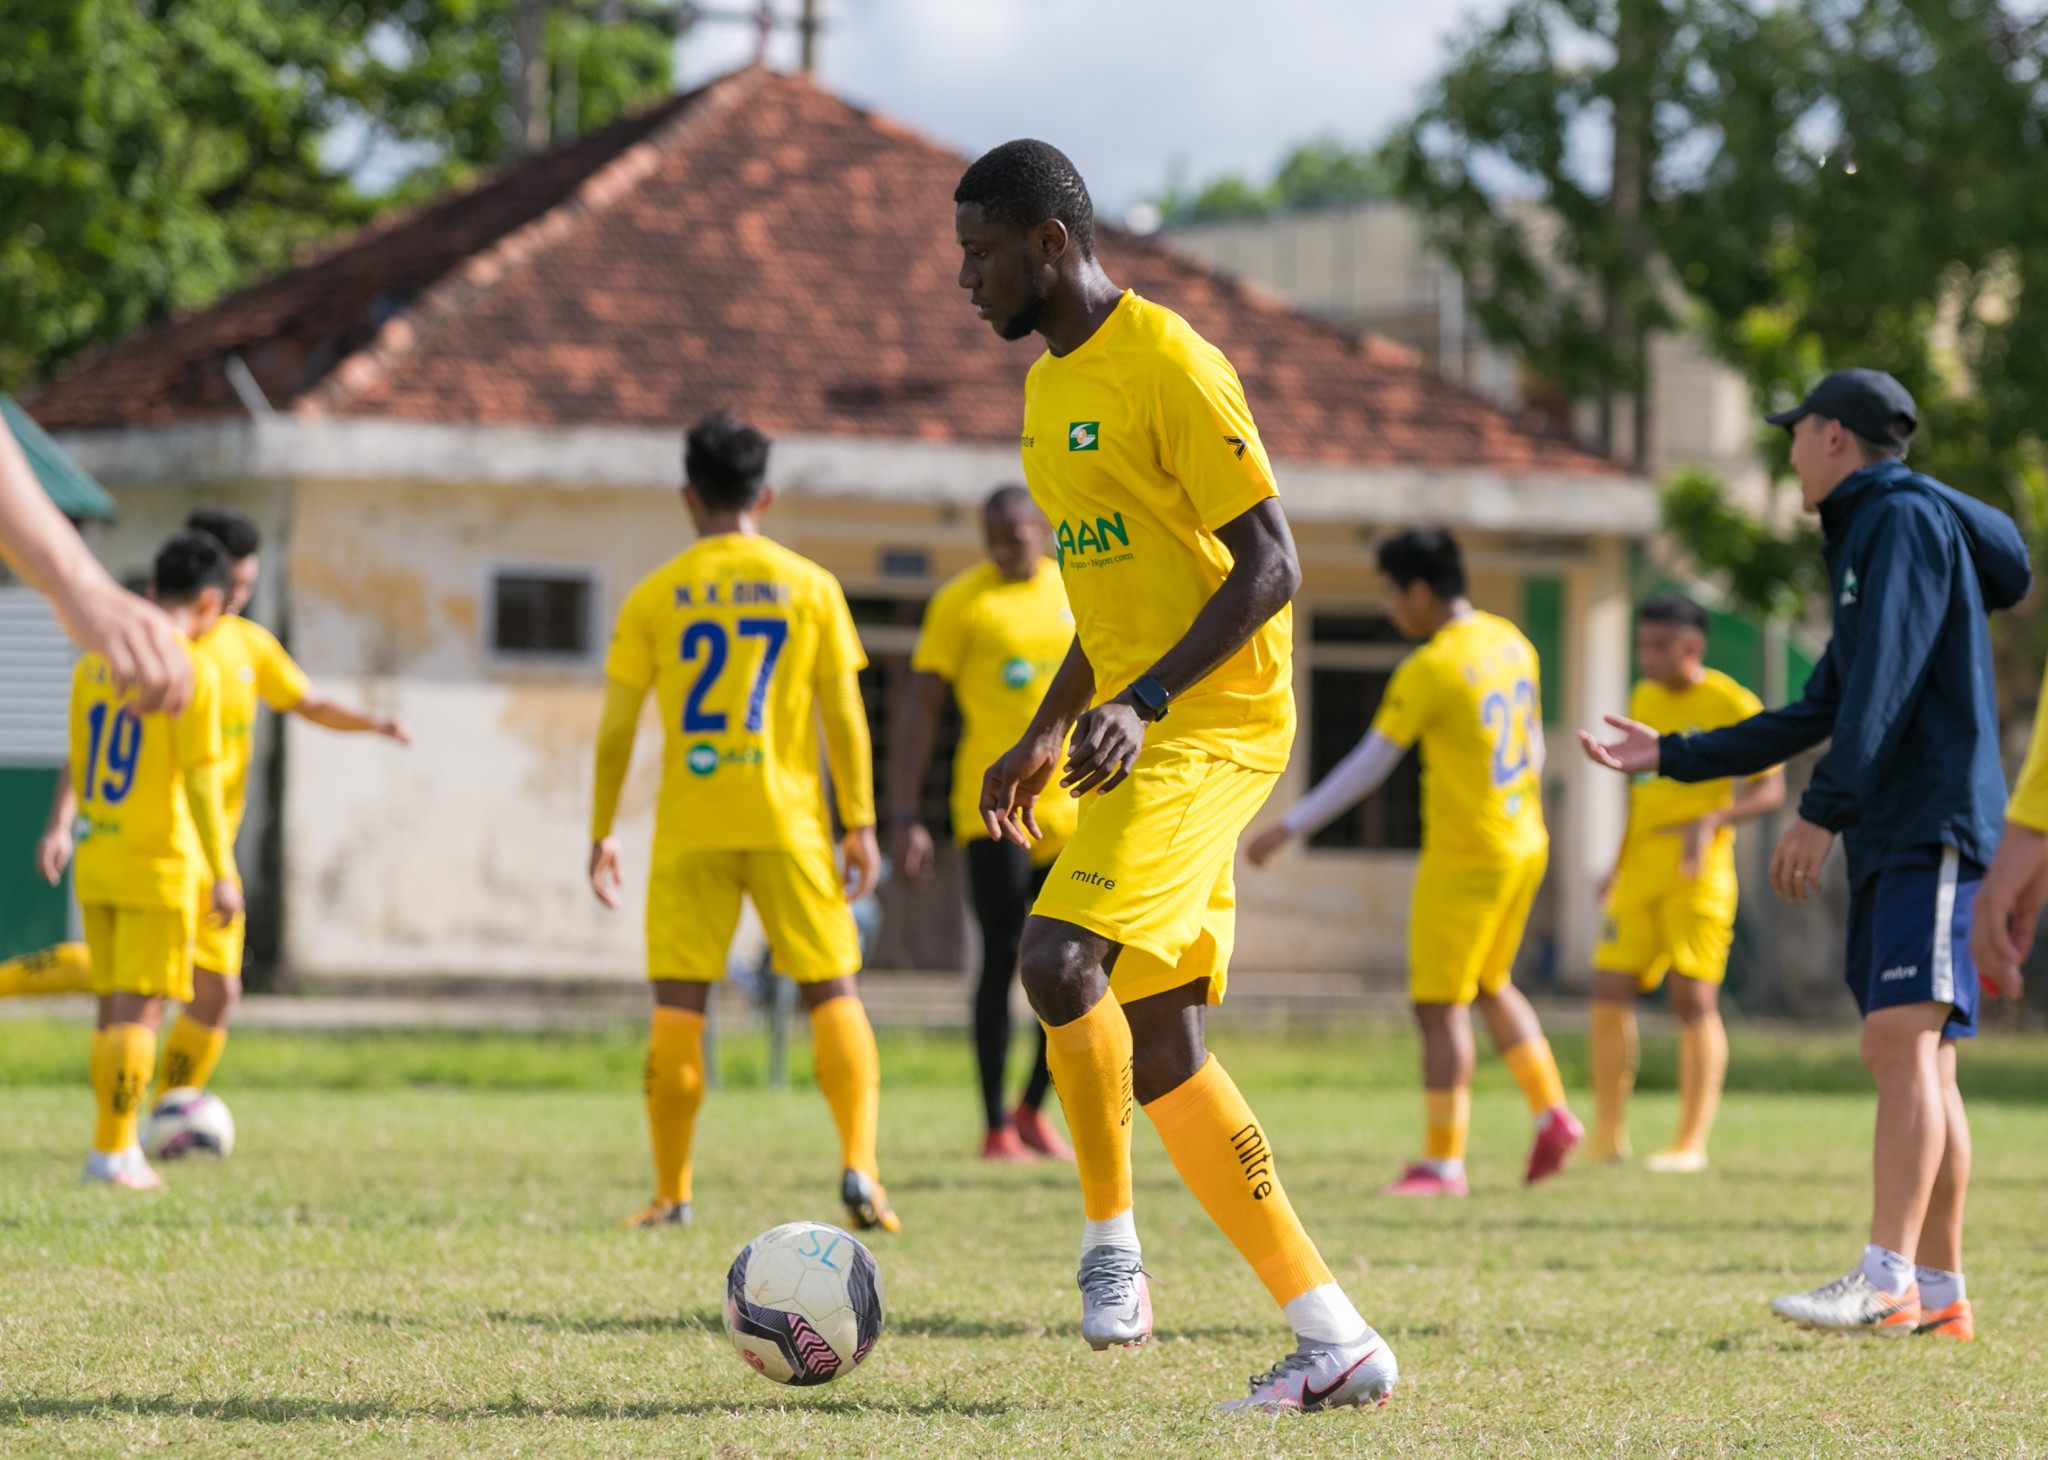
(1796, 864)
(2008, 910)
(915, 857)
(606, 879)
(227, 902)
(1635, 753)
(1011, 787)
(136, 639)
(393, 728)
(1698, 837)
(1262, 847)
(53, 854)
(1105, 745)
(864, 854)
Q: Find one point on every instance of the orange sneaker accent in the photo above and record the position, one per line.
(1955, 1321)
(1004, 1144)
(1035, 1131)
(1905, 1316)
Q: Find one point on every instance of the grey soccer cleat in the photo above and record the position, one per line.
(1323, 1376)
(1116, 1303)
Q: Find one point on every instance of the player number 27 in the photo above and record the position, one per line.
(705, 643)
(123, 745)
(1503, 715)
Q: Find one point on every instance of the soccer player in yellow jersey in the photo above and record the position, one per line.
(251, 666)
(149, 791)
(1671, 899)
(747, 646)
(1179, 566)
(1471, 697)
(993, 636)
(2008, 908)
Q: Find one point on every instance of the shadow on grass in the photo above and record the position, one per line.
(703, 1320)
(272, 1410)
(913, 1325)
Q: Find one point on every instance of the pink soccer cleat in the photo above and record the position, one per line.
(1558, 1134)
(1422, 1180)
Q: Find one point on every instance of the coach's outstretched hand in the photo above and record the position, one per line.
(2008, 910)
(1635, 753)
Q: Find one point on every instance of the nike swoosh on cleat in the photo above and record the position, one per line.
(1310, 1398)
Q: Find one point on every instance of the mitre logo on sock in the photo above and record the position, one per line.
(1256, 1159)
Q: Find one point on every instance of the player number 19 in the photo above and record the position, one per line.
(706, 641)
(123, 745)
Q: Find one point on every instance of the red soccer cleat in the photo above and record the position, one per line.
(1037, 1132)
(1558, 1134)
(1420, 1180)
(1003, 1144)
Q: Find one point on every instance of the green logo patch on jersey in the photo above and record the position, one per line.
(702, 759)
(1017, 673)
(1084, 436)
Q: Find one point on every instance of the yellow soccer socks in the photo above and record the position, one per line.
(191, 1050)
(1702, 1066)
(849, 1071)
(1615, 1056)
(675, 1088)
(1448, 1117)
(1535, 1070)
(122, 1055)
(65, 968)
(1090, 1060)
(1220, 1150)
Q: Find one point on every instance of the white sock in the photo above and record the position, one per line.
(1938, 1289)
(1119, 1231)
(1323, 1315)
(1887, 1270)
(1446, 1170)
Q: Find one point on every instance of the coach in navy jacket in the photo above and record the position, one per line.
(1913, 784)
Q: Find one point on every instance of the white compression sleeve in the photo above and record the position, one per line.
(1354, 778)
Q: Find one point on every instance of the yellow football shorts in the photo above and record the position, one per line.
(1465, 926)
(693, 905)
(1659, 921)
(140, 950)
(1150, 868)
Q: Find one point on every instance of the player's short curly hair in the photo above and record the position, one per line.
(1025, 182)
(726, 460)
(235, 531)
(1425, 555)
(189, 564)
(1673, 608)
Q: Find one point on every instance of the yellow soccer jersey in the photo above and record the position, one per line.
(139, 847)
(1137, 447)
(1717, 700)
(736, 636)
(2029, 806)
(1472, 697)
(998, 644)
(252, 666)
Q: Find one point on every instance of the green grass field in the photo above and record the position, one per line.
(410, 1254)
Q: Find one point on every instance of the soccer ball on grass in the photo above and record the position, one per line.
(803, 1303)
(188, 1122)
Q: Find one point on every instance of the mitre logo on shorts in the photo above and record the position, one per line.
(1094, 879)
(1902, 971)
(702, 759)
(1084, 436)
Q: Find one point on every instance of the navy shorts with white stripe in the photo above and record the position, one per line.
(1909, 936)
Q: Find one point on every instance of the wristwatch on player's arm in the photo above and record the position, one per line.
(1148, 698)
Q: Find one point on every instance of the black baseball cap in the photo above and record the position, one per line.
(1869, 402)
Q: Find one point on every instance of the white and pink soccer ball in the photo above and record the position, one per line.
(188, 1122)
(803, 1303)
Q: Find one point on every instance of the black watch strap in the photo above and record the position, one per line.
(1150, 698)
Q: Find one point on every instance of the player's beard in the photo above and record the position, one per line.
(1026, 319)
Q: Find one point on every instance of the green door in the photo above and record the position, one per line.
(33, 914)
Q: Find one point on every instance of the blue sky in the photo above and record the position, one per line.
(1126, 87)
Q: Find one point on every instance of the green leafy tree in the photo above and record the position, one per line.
(1323, 173)
(155, 154)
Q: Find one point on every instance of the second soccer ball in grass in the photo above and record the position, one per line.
(188, 1122)
(803, 1303)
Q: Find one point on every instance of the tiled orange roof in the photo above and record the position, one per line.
(757, 244)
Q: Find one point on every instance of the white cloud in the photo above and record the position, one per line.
(1125, 87)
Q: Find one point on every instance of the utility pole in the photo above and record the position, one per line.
(1637, 32)
(807, 28)
(530, 93)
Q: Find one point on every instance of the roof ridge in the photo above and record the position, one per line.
(476, 276)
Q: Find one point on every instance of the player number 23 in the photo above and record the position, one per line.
(1504, 714)
(706, 644)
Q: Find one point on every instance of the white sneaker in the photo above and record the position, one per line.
(1852, 1304)
(1323, 1376)
(1676, 1161)
(1116, 1301)
(127, 1168)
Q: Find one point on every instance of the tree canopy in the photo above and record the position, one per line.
(1322, 173)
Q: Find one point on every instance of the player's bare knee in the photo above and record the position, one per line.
(1061, 969)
